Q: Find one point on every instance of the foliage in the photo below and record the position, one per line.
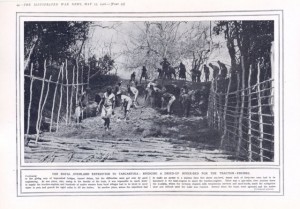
(250, 39)
(100, 66)
(54, 41)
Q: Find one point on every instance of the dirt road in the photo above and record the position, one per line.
(147, 136)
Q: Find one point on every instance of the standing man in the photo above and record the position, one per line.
(198, 75)
(223, 69)
(144, 74)
(182, 71)
(216, 70)
(165, 67)
(132, 77)
(108, 107)
(117, 92)
(160, 73)
(206, 72)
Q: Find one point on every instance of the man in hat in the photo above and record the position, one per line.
(216, 70)
(165, 67)
(223, 69)
(132, 77)
(144, 74)
(206, 72)
(182, 71)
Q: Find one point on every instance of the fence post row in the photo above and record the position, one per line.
(234, 108)
(43, 98)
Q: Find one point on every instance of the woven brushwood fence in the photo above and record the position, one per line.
(242, 111)
(60, 95)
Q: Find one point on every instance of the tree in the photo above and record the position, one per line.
(102, 66)
(248, 39)
(196, 45)
(54, 41)
(176, 41)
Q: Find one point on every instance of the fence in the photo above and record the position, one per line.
(66, 87)
(243, 114)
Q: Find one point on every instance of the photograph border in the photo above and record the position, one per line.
(104, 166)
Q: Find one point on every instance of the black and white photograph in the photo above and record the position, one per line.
(149, 91)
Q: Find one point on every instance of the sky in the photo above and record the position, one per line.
(112, 36)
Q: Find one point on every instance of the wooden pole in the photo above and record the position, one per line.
(225, 113)
(220, 111)
(60, 100)
(250, 117)
(261, 126)
(89, 75)
(67, 106)
(81, 78)
(237, 104)
(40, 103)
(209, 112)
(82, 88)
(42, 109)
(29, 105)
(241, 116)
(71, 100)
(272, 76)
(215, 109)
(54, 98)
(76, 95)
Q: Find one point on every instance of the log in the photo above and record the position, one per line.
(39, 107)
(33, 137)
(54, 98)
(70, 156)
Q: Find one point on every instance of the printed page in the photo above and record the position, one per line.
(148, 104)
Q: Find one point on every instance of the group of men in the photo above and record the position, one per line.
(167, 71)
(164, 97)
(219, 72)
(117, 97)
(196, 73)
